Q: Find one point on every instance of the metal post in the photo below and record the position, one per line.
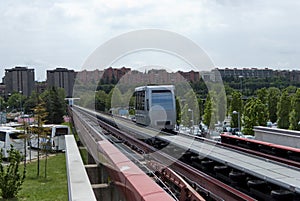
(239, 123)
(190, 110)
(1, 111)
(192, 118)
(20, 102)
(241, 82)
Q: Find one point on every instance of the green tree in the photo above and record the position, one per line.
(132, 105)
(273, 99)
(210, 115)
(116, 98)
(127, 98)
(201, 107)
(255, 114)
(236, 105)
(283, 110)
(41, 114)
(178, 111)
(30, 103)
(108, 103)
(100, 100)
(88, 100)
(262, 95)
(16, 101)
(294, 116)
(192, 105)
(221, 104)
(291, 89)
(11, 179)
(261, 112)
(185, 116)
(55, 104)
(2, 103)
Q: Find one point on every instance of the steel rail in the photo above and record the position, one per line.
(263, 155)
(217, 188)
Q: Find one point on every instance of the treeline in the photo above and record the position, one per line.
(281, 106)
(249, 85)
(53, 100)
(256, 105)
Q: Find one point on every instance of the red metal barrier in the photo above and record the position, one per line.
(135, 184)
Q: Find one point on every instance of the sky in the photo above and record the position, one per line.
(44, 34)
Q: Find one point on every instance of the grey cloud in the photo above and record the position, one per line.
(233, 32)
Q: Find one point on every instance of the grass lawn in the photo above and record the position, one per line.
(52, 188)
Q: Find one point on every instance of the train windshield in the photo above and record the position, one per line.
(163, 98)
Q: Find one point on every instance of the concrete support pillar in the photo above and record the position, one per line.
(107, 192)
(102, 187)
(94, 174)
(97, 174)
(104, 176)
(90, 159)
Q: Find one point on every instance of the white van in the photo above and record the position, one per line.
(55, 137)
(10, 137)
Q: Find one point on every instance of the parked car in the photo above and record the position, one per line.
(214, 135)
(195, 131)
(249, 137)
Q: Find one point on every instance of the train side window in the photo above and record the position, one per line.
(147, 105)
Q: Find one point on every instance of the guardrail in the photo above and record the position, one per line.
(79, 186)
(284, 137)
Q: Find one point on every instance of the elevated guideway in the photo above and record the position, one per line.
(280, 179)
(133, 183)
(273, 172)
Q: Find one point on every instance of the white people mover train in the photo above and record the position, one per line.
(155, 106)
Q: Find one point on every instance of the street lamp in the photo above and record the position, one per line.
(239, 125)
(20, 102)
(190, 110)
(1, 111)
(240, 77)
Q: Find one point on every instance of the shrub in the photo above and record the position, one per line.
(11, 179)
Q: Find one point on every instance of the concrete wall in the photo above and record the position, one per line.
(278, 136)
(79, 186)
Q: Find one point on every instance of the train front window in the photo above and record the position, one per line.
(163, 99)
(140, 100)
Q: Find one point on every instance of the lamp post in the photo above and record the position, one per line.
(239, 125)
(190, 110)
(241, 83)
(20, 102)
(1, 111)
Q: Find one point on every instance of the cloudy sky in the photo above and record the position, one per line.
(234, 33)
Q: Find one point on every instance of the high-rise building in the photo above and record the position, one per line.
(92, 76)
(63, 78)
(190, 76)
(245, 72)
(19, 79)
(113, 75)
